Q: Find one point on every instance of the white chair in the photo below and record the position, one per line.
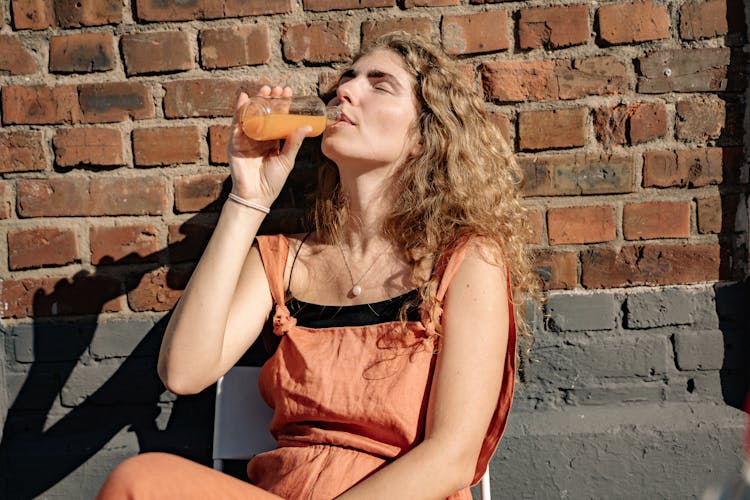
(241, 417)
(241, 421)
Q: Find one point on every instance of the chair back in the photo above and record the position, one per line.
(241, 417)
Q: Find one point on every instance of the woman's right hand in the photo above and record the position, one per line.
(258, 168)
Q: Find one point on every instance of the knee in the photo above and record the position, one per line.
(134, 477)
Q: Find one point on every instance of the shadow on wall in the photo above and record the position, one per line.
(732, 225)
(110, 383)
(733, 309)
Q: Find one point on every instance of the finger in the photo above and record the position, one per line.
(287, 92)
(264, 91)
(277, 91)
(241, 101)
(293, 143)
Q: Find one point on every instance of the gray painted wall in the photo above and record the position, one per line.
(625, 394)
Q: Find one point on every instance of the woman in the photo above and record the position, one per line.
(393, 374)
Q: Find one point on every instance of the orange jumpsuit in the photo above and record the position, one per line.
(347, 400)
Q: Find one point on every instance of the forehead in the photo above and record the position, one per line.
(385, 61)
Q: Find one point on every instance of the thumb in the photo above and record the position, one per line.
(293, 143)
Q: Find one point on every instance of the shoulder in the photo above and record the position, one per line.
(479, 268)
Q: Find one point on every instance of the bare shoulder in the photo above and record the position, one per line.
(482, 271)
(486, 250)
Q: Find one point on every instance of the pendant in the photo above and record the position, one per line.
(356, 290)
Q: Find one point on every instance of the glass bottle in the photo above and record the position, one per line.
(269, 118)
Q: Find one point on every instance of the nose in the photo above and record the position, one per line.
(345, 92)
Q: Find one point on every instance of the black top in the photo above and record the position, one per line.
(319, 316)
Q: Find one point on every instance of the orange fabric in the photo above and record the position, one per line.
(348, 400)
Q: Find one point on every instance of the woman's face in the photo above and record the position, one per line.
(378, 109)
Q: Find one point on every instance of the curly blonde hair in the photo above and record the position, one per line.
(464, 183)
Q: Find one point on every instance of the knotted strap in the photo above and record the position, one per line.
(274, 251)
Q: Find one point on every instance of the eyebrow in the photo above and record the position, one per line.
(373, 74)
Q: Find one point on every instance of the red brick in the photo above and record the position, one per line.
(553, 27)
(59, 196)
(115, 101)
(700, 118)
(690, 70)
(188, 240)
(128, 196)
(557, 270)
(194, 193)
(704, 166)
(633, 22)
(709, 215)
(324, 5)
(430, 3)
(6, 202)
(475, 33)
(124, 244)
(611, 124)
(239, 46)
(33, 14)
(703, 19)
(560, 128)
(41, 247)
(158, 290)
(205, 98)
(327, 83)
(503, 123)
(22, 151)
(41, 297)
(593, 76)
(40, 104)
(218, 139)
(15, 59)
(656, 219)
(577, 174)
(89, 146)
(515, 81)
(317, 42)
(660, 169)
(77, 195)
(576, 225)
(157, 52)
(535, 221)
(606, 267)
(648, 121)
(239, 8)
(82, 53)
(77, 13)
(166, 145)
(371, 30)
(179, 10)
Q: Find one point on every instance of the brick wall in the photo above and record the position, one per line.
(628, 119)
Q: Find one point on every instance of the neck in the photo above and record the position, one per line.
(368, 198)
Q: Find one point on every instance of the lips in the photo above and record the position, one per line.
(342, 117)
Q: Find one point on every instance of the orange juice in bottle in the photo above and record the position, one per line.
(269, 118)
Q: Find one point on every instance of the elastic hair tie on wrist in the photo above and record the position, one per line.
(248, 203)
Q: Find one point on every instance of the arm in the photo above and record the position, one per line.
(223, 308)
(464, 392)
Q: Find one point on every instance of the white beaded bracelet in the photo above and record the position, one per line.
(248, 203)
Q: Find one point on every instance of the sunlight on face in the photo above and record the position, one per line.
(379, 109)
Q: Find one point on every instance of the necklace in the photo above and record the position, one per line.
(356, 288)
